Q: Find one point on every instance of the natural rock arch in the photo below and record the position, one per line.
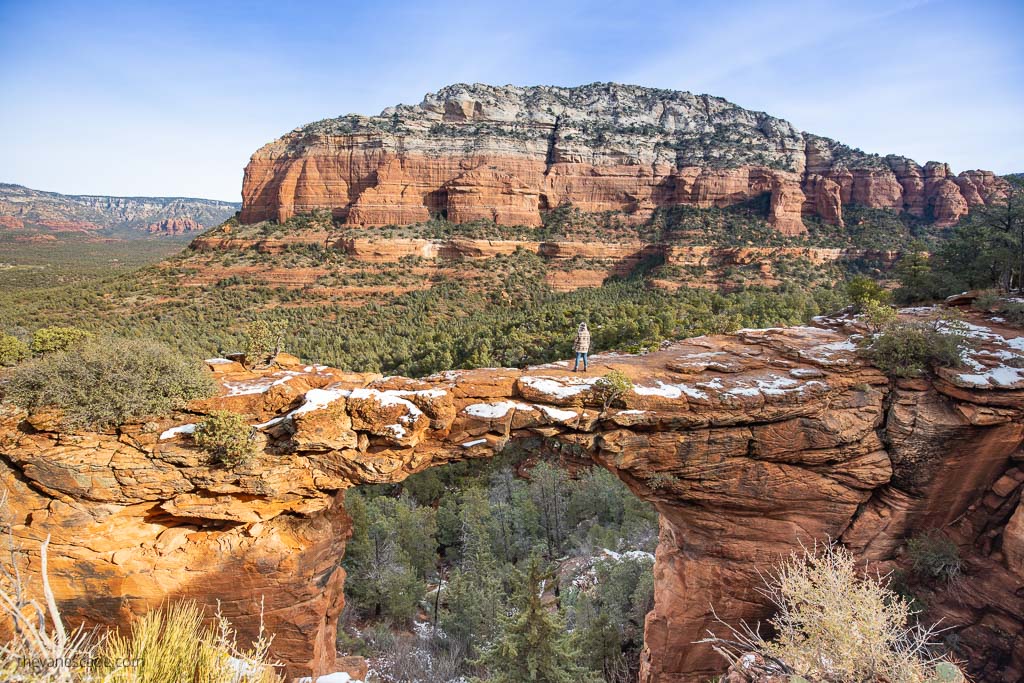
(748, 446)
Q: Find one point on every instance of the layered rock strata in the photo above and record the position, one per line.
(509, 154)
(748, 445)
(22, 207)
(393, 250)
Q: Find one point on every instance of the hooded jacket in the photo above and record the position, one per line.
(582, 343)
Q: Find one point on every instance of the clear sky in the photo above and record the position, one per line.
(171, 98)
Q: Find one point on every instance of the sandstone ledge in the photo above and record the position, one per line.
(748, 445)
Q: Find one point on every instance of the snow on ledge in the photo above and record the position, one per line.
(492, 411)
(259, 386)
(387, 398)
(318, 399)
(174, 431)
(670, 391)
(555, 387)
(1003, 377)
(557, 414)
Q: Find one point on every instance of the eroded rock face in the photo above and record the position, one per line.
(174, 226)
(510, 153)
(748, 445)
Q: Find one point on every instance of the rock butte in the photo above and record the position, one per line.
(507, 154)
(748, 445)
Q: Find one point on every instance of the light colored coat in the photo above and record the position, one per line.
(582, 343)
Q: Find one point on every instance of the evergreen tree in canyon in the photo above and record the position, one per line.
(532, 645)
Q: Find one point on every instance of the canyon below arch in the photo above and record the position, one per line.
(750, 446)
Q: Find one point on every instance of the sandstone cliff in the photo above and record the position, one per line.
(510, 153)
(748, 445)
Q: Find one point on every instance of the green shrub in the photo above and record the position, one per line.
(862, 290)
(12, 350)
(51, 339)
(909, 348)
(611, 387)
(1014, 312)
(918, 279)
(263, 341)
(227, 436)
(1011, 311)
(877, 315)
(662, 480)
(986, 300)
(934, 557)
(107, 381)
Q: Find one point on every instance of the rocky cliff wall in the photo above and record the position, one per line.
(509, 153)
(748, 445)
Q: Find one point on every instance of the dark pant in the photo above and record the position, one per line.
(583, 355)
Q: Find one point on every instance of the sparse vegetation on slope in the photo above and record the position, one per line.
(505, 314)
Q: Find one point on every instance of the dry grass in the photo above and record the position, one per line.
(173, 644)
(834, 624)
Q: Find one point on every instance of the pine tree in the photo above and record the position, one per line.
(532, 645)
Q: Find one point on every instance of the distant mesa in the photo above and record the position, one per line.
(34, 213)
(509, 153)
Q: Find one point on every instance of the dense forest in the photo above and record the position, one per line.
(440, 569)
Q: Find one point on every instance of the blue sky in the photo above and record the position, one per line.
(152, 98)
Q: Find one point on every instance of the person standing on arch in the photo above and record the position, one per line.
(581, 346)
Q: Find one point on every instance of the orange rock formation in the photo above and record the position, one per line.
(748, 445)
(508, 154)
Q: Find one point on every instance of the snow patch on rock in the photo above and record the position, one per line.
(493, 411)
(559, 387)
(338, 677)
(557, 414)
(174, 431)
(259, 386)
(670, 391)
